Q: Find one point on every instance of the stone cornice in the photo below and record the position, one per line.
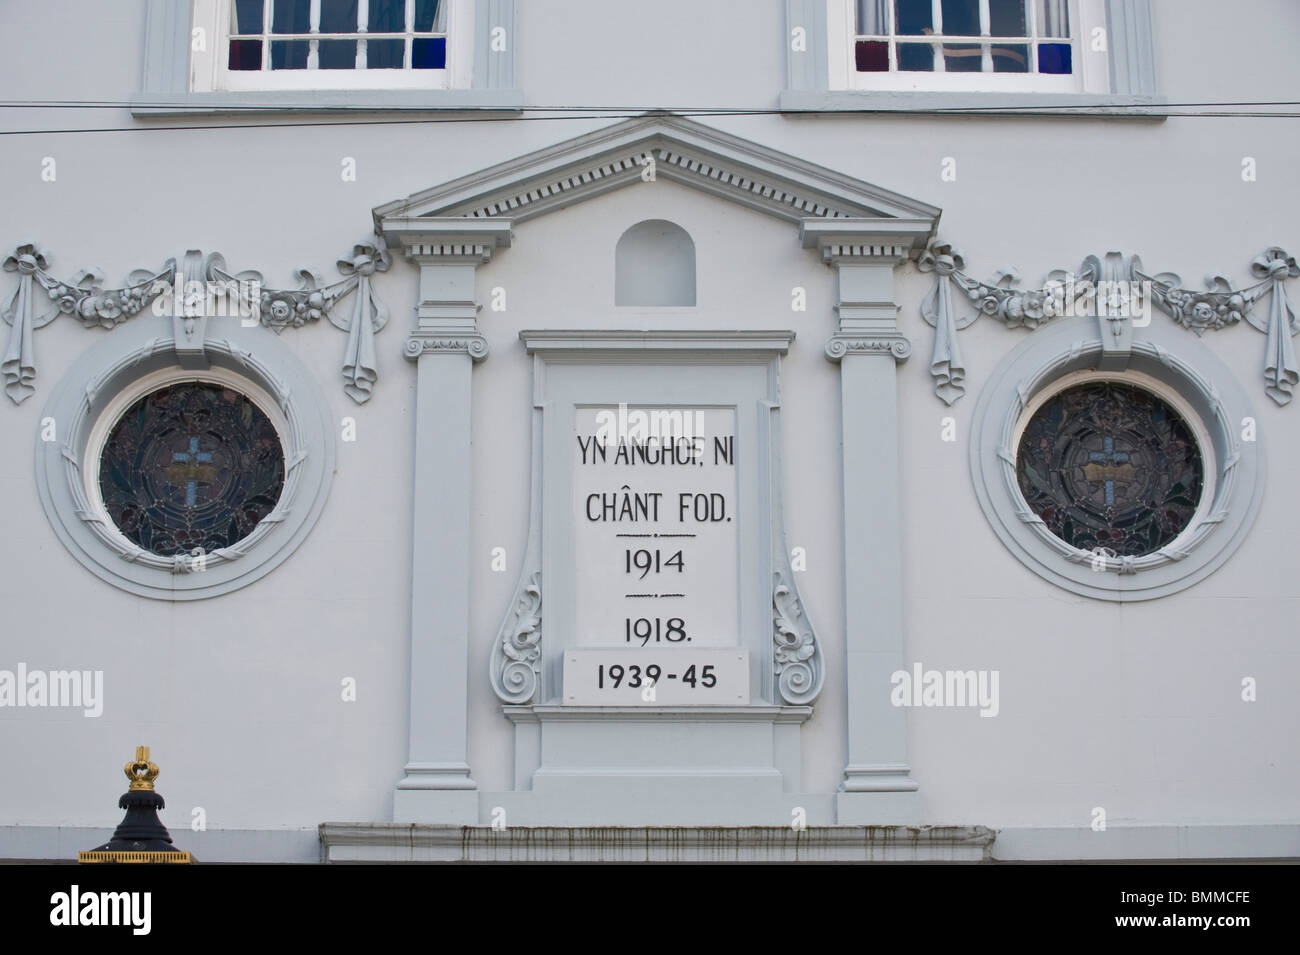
(645, 149)
(451, 240)
(865, 239)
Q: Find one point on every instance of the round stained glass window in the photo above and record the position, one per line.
(1109, 465)
(191, 465)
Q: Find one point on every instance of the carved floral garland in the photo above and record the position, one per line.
(84, 297)
(1112, 277)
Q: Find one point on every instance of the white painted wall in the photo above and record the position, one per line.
(1135, 708)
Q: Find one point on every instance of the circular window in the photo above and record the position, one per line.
(191, 467)
(1118, 474)
(181, 483)
(1110, 467)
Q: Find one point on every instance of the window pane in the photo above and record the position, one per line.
(873, 18)
(1007, 18)
(916, 57)
(289, 54)
(337, 55)
(385, 54)
(872, 56)
(961, 18)
(245, 55)
(1053, 18)
(963, 57)
(338, 16)
(913, 18)
(248, 17)
(290, 16)
(1053, 58)
(1010, 59)
(387, 16)
(429, 53)
(429, 17)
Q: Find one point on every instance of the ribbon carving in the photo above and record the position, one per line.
(82, 297)
(368, 316)
(1280, 370)
(1220, 305)
(945, 362)
(278, 309)
(997, 298)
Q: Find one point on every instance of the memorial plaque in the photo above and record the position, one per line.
(676, 677)
(654, 506)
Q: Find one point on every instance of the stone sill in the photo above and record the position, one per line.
(325, 101)
(1082, 105)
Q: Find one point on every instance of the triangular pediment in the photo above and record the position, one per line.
(682, 151)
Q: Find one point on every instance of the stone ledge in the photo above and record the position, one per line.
(387, 842)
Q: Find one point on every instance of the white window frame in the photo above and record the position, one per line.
(209, 71)
(1186, 375)
(1091, 72)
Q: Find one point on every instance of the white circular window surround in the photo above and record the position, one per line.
(1175, 368)
(137, 360)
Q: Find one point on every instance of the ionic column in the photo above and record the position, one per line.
(445, 343)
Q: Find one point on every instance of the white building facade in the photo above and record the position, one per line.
(734, 431)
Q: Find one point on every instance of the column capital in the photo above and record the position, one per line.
(447, 240)
(845, 343)
(426, 341)
(882, 241)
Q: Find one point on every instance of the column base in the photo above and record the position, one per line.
(438, 793)
(437, 776)
(442, 807)
(878, 778)
(878, 809)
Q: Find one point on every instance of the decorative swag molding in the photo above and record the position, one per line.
(196, 283)
(1110, 287)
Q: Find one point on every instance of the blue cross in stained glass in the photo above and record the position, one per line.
(1105, 465)
(185, 467)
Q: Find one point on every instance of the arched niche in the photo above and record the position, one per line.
(654, 265)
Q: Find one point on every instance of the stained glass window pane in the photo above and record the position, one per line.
(245, 55)
(1110, 465)
(1054, 58)
(429, 53)
(191, 465)
(871, 56)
